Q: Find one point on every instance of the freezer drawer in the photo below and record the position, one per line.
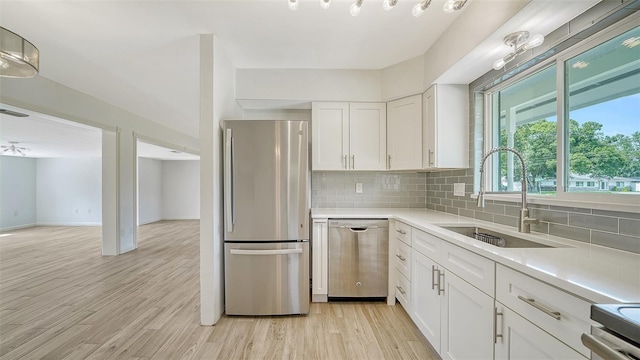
(358, 258)
(266, 278)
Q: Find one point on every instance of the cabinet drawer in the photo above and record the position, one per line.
(402, 232)
(557, 312)
(427, 244)
(475, 269)
(403, 292)
(403, 259)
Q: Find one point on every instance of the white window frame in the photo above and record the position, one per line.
(615, 202)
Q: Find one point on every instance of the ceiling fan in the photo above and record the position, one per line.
(13, 149)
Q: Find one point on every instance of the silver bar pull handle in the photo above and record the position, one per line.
(358, 229)
(353, 161)
(433, 280)
(402, 258)
(345, 163)
(598, 347)
(228, 181)
(495, 326)
(532, 302)
(401, 231)
(401, 290)
(430, 157)
(266, 252)
(389, 162)
(440, 283)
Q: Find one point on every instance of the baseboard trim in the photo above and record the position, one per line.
(68, 224)
(17, 227)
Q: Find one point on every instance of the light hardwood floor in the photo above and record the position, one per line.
(60, 299)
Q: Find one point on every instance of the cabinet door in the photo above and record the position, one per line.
(319, 261)
(368, 136)
(330, 136)
(522, 340)
(425, 299)
(467, 320)
(446, 127)
(429, 135)
(404, 133)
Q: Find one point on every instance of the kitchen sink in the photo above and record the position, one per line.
(495, 238)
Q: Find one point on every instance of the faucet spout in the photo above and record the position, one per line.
(524, 221)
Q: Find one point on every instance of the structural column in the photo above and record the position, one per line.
(119, 177)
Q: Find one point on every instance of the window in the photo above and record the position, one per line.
(585, 144)
(603, 110)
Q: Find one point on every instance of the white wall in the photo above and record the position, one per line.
(217, 102)
(308, 85)
(17, 192)
(283, 114)
(180, 189)
(150, 190)
(69, 191)
(403, 79)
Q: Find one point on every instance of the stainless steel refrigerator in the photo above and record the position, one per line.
(266, 213)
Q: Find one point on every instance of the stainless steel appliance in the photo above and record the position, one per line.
(266, 212)
(619, 336)
(358, 257)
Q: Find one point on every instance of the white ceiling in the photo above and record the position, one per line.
(143, 55)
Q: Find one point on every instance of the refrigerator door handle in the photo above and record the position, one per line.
(228, 181)
(265, 252)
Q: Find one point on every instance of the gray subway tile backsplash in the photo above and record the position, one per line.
(621, 242)
(594, 222)
(615, 229)
(380, 189)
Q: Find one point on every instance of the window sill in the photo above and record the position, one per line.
(544, 200)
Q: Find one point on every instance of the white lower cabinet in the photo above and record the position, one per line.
(520, 339)
(320, 260)
(467, 321)
(454, 316)
(426, 308)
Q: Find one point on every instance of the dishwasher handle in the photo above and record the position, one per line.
(359, 229)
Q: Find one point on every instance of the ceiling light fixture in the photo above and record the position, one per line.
(453, 5)
(520, 42)
(13, 149)
(355, 7)
(325, 4)
(18, 57)
(389, 4)
(419, 8)
(293, 5)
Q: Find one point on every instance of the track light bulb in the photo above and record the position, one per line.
(419, 8)
(355, 7)
(535, 41)
(325, 4)
(293, 5)
(389, 4)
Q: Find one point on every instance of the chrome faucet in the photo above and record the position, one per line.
(524, 221)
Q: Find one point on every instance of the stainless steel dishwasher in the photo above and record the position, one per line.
(358, 258)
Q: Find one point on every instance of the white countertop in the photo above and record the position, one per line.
(595, 273)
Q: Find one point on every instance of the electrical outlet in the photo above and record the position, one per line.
(358, 188)
(458, 189)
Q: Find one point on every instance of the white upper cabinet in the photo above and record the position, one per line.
(404, 133)
(445, 127)
(330, 136)
(349, 136)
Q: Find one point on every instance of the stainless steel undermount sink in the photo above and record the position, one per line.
(495, 238)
